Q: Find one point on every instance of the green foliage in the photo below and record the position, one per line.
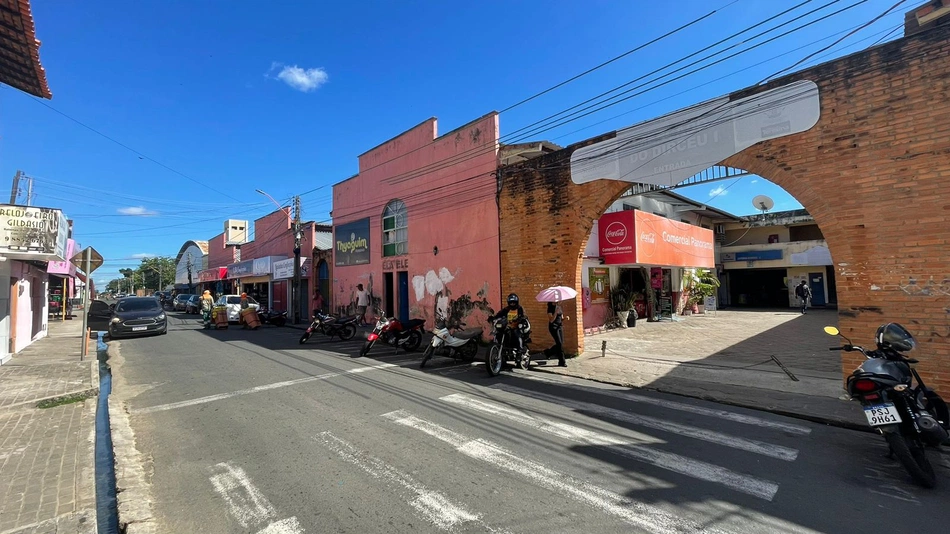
(155, 273)
(700, 284)
(621, 299)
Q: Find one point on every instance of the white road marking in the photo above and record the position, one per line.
(258, 389)
(434, 506)
(683, 465)
(750, 445)
(645, 516)
(246, 503)
(284, 526)
(681, 406)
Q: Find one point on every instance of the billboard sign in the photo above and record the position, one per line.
(637, 237)
(351, 243)
(31, 233)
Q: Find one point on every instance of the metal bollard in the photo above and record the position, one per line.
(603, 349)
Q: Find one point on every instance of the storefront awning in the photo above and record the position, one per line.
(639, 238)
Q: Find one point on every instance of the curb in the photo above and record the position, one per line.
(830, 421)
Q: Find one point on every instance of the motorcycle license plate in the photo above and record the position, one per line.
(882, 414)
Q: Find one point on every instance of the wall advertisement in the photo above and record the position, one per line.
(351, 243)
(637, 237)
(31, 233)
(599, 285)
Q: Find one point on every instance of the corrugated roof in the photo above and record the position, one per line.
(20, 50)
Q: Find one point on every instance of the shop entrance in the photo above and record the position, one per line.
(279, 302)
(389, 294)
(758, 288)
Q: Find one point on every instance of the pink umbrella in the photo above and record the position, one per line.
(556, 293)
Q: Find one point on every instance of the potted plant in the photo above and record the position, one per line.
(620, 301)
(702, 283)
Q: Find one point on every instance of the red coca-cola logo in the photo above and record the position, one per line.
(615, 233)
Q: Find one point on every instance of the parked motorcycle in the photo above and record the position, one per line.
(460, 345)
(910, 417)
(504, 346)
(344, 327)
(393, 332)
(275, 318)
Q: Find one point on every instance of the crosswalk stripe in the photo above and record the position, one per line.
(433, 506)
(751, 445)
(683, 465)
(680, 406)
(643, 515)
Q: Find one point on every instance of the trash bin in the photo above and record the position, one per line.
(250, 318)
(219, 315)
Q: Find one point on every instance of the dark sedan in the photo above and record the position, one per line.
(137, 316)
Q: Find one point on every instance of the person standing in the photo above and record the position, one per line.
(207, 304)
(555, 318)
(803, 292)
(362, 302)
(244, 305)
(317, 303)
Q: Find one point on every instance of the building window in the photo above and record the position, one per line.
(628, 207)
(395, 229)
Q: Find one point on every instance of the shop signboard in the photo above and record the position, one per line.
(264, 266)
(284, 269)
(637, 237)
(241, 268)
(31, 233)
(351, 243)
(599, 285)
(758, 255)
(212, 275)
(65, 267)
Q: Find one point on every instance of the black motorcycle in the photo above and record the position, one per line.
(275, 318)
(504, 346)
(343, 327)
(910, 417)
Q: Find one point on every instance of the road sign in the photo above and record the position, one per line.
(79, 260)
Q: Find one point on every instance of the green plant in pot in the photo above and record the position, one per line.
(621, 302)
(702, 283)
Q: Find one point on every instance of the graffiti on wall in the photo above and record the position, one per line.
(435, 285)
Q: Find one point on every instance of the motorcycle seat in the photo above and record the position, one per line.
(467, 334)
(413, 323)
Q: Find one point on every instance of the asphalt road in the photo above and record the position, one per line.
(248, 431)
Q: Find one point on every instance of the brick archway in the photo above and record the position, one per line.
(874, 172)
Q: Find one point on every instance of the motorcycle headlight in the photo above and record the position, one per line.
(116, 320)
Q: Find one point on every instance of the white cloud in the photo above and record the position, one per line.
(139, 211)
(718, 191)
(301, 79)
(142, 256)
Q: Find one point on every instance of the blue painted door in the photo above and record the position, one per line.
(404, 296)
(817, 283)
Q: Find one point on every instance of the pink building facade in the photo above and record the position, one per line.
(418, 226)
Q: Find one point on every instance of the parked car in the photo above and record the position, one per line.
(233, 302)
(130, 317)
(193, 304)
(178, 303)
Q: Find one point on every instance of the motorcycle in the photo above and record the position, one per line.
(460, 345)
(393, 332)
(272, 317)
(344, 327)
(504, 346)
(910, 417)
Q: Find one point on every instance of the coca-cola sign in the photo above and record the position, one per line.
(615, 233)
(617, 237)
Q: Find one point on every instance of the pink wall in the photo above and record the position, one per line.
(218, 254)
(31, 305)
(449, 205)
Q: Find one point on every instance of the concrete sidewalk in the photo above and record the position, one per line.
(47, 473)
(728, 357)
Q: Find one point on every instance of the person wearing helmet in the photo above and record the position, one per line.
(514, 314)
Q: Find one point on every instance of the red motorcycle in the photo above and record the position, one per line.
(393, 332)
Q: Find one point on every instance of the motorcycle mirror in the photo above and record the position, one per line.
(831, 331)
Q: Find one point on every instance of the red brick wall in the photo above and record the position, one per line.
(873, 172)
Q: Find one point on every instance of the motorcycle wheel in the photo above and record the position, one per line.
(347, 332)
(913, 458)
(366, 347)
(280, 321)
(469, 350)
(426, 354)
(304, 337)
(413, 342)
(494, 361)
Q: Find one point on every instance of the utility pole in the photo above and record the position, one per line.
(29, 191)
(295, 297)
(15, 192)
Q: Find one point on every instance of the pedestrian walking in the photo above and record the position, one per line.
(317, 302)
(362, 302)
(803, 292)
(207, 304)
(244, 305)
(555, 319)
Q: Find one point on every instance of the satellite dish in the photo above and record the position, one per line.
(763, 203)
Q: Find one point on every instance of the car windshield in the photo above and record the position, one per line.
(237, 300)
(137, 305)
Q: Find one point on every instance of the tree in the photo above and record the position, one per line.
(155, 273)
(127, 273)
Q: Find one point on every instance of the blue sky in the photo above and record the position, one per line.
(167, 115)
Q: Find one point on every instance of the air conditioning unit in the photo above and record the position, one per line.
(932, 11)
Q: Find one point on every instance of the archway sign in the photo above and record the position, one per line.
(669, 149)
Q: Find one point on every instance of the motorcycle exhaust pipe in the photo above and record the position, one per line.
(930, 430)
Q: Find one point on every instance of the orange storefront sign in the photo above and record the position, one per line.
(633, 236)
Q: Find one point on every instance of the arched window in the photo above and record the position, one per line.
(395, 229)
